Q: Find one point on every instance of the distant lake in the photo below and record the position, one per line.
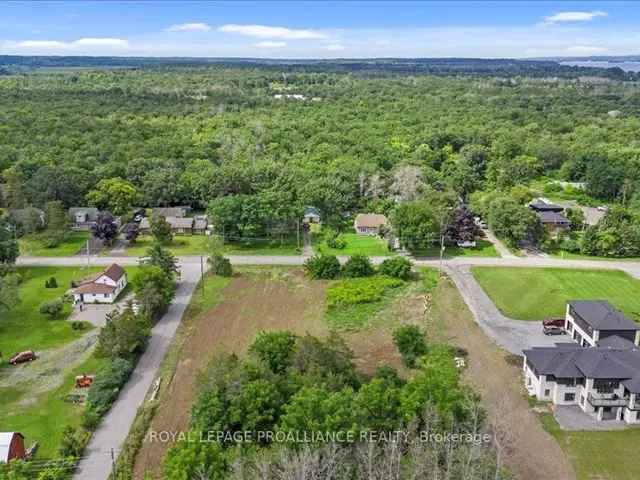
(626, 66)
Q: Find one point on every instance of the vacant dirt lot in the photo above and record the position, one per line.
(528, 450)
(269, 299)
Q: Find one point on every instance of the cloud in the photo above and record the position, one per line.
(45, 44)
(263, 31)
(270, 44)
(335, 47)
(189, 27)
(585, 50)
(101, 42)
(81, 43)
(573, 17)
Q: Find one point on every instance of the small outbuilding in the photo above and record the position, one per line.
(12, 447)
(311, 215)
(369, 223)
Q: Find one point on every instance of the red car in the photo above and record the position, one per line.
(22, 357)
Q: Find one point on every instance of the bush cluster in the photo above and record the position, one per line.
(104, 390)
(360, 290)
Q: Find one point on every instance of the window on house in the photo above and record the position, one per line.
(569, 397)
(579, 381)
(547, 392)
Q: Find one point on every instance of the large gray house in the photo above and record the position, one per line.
(600, 373)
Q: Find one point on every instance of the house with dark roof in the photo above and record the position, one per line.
(550, 216)
(83, 217)
(591, 322)
(599, 373)
(179, 225)
(104, 287)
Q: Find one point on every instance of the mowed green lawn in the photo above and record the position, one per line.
(31, 245)
(538, 293)
(609, 455)
(199, 245)
(23, 327)
(369, 245)
(44, 418)
(483, 248)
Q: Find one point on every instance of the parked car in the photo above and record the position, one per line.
(553, 322)
(553, 330)
(22, 357)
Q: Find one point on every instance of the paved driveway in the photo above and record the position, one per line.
(512, 335)
(114, 428)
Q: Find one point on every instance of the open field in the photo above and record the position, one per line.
(256, 299)
(369, 245)
(32, 245)
(24, 327)
(483, 248)
(578, 256)
(538, 293)
(599, 455)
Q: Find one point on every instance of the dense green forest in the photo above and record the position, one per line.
(230, 139)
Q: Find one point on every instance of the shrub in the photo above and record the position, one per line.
(78, 325)
(72, 442)
(51, 283)
(221, 266)
(358, 266)
(275, 349)
(396, 267)
(322, 267)
(334, 240)
(359, 290)
(52, 309)
(410, 342)
(104, 390)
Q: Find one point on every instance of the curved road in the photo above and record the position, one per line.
(510, 334)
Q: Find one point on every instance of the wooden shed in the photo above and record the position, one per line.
(11, 447)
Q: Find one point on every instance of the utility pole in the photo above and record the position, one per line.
(113, 465)
(202, 273)
(298, 233)
(88, 254)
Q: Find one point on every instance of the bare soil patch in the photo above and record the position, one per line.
(528, 449)
(274, 299)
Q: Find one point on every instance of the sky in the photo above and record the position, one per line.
(320, 29)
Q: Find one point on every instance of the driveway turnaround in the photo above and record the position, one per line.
(112, 432)
(512, 335)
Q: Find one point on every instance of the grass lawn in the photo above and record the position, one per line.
(44, 419)
(24, 327)
(483, 248)
(599, 455)
(578, 256)
(538, 293)
(32, 245)
(357, 244)
(198, 245)
(181, 245)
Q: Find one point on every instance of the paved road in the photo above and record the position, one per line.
(115, 426)
(510, 334)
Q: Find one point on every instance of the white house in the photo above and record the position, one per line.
(600, 373)
(103, 287)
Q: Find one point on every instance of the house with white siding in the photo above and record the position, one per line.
(599, 373)
(103, 287)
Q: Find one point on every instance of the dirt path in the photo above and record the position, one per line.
(530, 452)
(252, 303)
